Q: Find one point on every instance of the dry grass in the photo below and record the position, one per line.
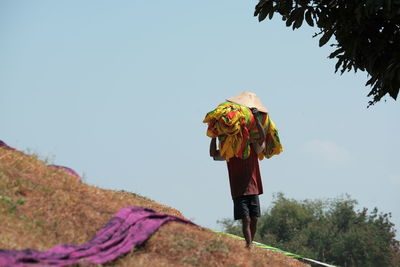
(41, 207)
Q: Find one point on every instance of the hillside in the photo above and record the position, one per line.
(42, 206)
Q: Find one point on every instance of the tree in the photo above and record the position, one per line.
(367, 35)
(330, 231)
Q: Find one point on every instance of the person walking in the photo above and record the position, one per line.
(245, 180)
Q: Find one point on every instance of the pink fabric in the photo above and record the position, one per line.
(4, 145)
(69, 170)
(130, 227)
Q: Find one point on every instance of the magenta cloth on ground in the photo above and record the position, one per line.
(4, 145)
(130, 227)
(69, 170)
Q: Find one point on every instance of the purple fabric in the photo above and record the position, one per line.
(69, 170)
(130, 227)
(4, 145)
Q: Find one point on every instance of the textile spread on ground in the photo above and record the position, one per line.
(130, 227)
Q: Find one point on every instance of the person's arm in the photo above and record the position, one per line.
(260, 129)
(214, 153)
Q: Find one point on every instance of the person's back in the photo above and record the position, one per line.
(244, 175)
(245, 183)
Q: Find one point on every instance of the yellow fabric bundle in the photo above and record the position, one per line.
(235, 127)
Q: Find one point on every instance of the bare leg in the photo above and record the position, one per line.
(247, 231)
(253, 227)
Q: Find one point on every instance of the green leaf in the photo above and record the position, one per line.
(394, 93)
(336, 52)
(337, 66)
(259, 7)
(12, 208)
(325, 38)
(265, 10)
(263, 14)
(372, 80)
(272, 12)
(309, 19)
(6, 199)
(291, 18)
(299, 18)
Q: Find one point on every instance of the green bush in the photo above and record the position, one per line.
(327, 230)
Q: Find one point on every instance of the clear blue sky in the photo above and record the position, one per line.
(117, 90)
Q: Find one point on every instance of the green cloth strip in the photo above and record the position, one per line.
(263, 246)
(289, 254)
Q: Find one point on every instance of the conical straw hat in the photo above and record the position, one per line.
(248, 99)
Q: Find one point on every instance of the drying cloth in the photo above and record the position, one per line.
(295, 256)
(4, 145)
(130, 227)
(68, 170)
(236, 129)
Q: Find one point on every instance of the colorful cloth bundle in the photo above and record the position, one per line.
(236, 129)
